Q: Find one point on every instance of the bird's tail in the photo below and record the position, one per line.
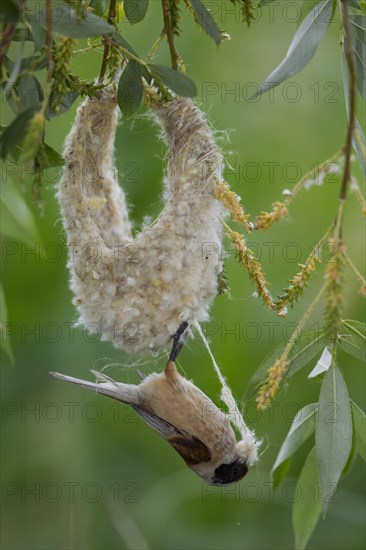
(126, 393)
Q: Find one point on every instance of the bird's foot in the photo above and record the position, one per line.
(178, 341)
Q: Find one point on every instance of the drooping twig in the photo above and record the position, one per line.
(155, 46)
(349, 55)
(334, 297)
(111, 18)
(321, 170)
(125, 51)
(7, 35)
(50, 64)
(169, 33)
(280, 208)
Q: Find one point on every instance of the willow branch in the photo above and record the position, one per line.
(7, 35)
(126, 52)
(49, 41)
(349, 55)
(323, 167)
(155, 46)
(111, 18)
(169, 34)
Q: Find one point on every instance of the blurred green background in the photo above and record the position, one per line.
(79, 471)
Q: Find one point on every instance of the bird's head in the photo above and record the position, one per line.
(245, 455)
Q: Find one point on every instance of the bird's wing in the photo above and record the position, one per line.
(191, 449)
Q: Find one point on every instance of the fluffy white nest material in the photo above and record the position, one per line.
(136, 292)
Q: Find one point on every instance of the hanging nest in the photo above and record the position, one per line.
(137, 291)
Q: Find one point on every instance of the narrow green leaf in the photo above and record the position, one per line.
(352, 457)
(39, 34)
(359, 427)
(359, 141)
(205, 20)
(307, 6)
(9, 11)
(33, 63)
(302, 427)
(66, 21)
(64, 105)
(28, 91)
(15, 133)
(360, 56)
(354, 340)
(123, 42)
(307, 509)
(99, 6)
(305, 349)
(303, 46)
(358, 437)
(333, 433)
(260, 374)
(135, 10)
(280, 472)
(178, 82)
(130, 89)
(14, 69)
(349, 344)
(357, 328)
(52, 157)
(358, 25)
(358, 5)
(22, 35)
(127, 46)
(17, 220)
(359, 145)
(5, 342)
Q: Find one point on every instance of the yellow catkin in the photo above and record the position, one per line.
(334, 292)
(266, 219)
(251, 265)
(269, 389)
(299, 282)
(33, 137)
(231, 201)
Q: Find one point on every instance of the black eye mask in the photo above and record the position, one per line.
(230, 473)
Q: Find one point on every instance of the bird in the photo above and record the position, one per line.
(185, 417)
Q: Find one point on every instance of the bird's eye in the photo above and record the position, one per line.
(235, 471)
